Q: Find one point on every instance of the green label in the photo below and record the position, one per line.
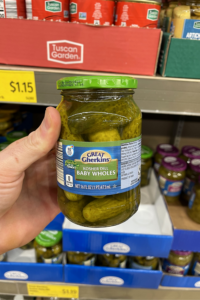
(152, 14)
(73, 8)
(196, 25)
(53, 6)
(49, 238)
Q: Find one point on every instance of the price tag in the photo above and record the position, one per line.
(60, 291)
(17, 86)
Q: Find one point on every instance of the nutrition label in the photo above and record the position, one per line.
(130, 163)
(2, 13)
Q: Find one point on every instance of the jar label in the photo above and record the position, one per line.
(55, 260)
(174, 269)
(48, 10)
(134, 265)
(196, 269)
(188, 186)
(99, 169)
(170, 188)
(89, 262)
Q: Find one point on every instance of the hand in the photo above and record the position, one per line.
(28, 189)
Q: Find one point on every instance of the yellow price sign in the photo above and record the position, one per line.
(46, 290)
(17, 86)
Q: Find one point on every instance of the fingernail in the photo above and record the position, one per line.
(46, 124)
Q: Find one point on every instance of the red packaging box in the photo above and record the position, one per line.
(81, 47)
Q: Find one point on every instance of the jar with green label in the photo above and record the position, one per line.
(48, 247)
(171, 178)
(146, 165)
(112, 260)
(196, 265)
(162, 151)
(99, 150)
(178, 262)
(81, 258)
(15, 135)
(190, 152)
(194, 204)
(143, 263)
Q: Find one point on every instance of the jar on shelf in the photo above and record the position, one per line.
(192, 176)
(143, 262)
(194, 204)
(81, 258)
(112, 260)
(164, 150)
(146, 165)
(171, 178)
(48, 247)
(99, 150)
(178, 262)
(196, 265)
(190, 152)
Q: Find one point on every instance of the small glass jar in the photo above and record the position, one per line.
(196, 265)
(48, 247)
(99, 150)
(146, 165)
(190, 152)
(15, 135)
(194, 204)
(28, 246)
(164, 150)
(81, 258)
(171, 178)
(112, 260)
(178, 262)
(143, 262)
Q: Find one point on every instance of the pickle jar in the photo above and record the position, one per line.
(81, 258)
(143, 262)
(171, 178)
(190, 152)
(99, 150)
(196, 265)
(112, 260)
(164, 150)
(146, 165)
(48, 247)
(194, 204)
(178, 262)
(192, 176)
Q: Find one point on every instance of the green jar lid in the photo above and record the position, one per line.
(146, 152)
(4, 145)
(49, 238)
(15, 135)
(96, 82)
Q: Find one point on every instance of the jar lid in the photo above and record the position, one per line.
(181, 253)
(167, 149)
(174, 163)
(146, 152)
(191, 152)
(195, 165)
(4, 145)
(49, 238)
(97, 82)
(15, 135)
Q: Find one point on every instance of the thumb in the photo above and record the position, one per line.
(18, 156)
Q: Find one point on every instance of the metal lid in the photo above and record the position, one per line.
(146, 152)
(195, 165)
(141, 1)
(49, 238)
(181, 253)
(174, 164)
(191, 151)
(167, 149)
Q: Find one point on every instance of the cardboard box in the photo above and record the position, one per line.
(186, 29)
(180, 281)
(179, 57)
(77, 46)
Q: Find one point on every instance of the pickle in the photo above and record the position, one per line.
(105, 136)
(74, 210)
(133, 129)
(78, 258)
(146, 261)
(73, 197)
(99, 197)
(111, 260)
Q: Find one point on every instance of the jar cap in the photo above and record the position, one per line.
(182, 253)
(96, 82)
(195, 164)
(167, 149)
(49, 238)
(191, 152)
(174, 163)
(4, 145)
(146, 152)
(15, 135)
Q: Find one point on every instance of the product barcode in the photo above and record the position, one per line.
(96, 22)
(59, 164)
(11, 8)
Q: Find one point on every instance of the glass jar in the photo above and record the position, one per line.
(192, 176)
(163, 150)
(81, 258)
(48, 247)
(143, 262)
(112, 260)
(15, 135)
(196, 265)
(178, 262)
(171, 178)
(146, 165)
(194, 204)
(28, 246)
(99, 150)
(190, 152)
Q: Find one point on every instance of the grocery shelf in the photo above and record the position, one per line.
(155, 94)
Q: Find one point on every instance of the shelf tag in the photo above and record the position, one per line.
(17, 86)
(46, 290)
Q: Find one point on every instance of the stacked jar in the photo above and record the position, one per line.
(81, 258)
(146, 165)
(162, 151)
(112, 260)
(194, 203)
(178, 262)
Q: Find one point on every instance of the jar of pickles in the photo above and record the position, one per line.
(99, 150)
(112, 260)
(48, 247)
(178, 262)
(146, 165)
(163, 150)
(171, 178)
(81, 258)
(196, 265)
(194, 204)
(190, 152)
(143, 263)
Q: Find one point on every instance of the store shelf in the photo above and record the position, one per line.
(154, 94)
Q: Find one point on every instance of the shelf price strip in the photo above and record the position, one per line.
(17, 86)
(46, 290)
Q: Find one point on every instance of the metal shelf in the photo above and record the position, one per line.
(160, 95)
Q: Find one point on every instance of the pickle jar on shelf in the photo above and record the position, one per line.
(164, 150)
(196, 265)
(143, 262)
(99, 150)
(112, 260)
(81, 258)
(146, 165)
(190, 152)
(194, 203)
(178, 262)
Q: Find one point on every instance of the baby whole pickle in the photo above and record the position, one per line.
(105, 136)
(178, 262)
(112, 260)
(143, 263)
(81, 258)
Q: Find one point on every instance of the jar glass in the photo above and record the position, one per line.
(48, 247)
(81, 258)
(194, 204)
(146, 165)
(143, 262)
(112, 260)
(178, 262)
(190, 152)
(196, 265)
(99, 150)
(171, 178)
(163, 150)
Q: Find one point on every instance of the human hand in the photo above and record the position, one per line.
(28, 188)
